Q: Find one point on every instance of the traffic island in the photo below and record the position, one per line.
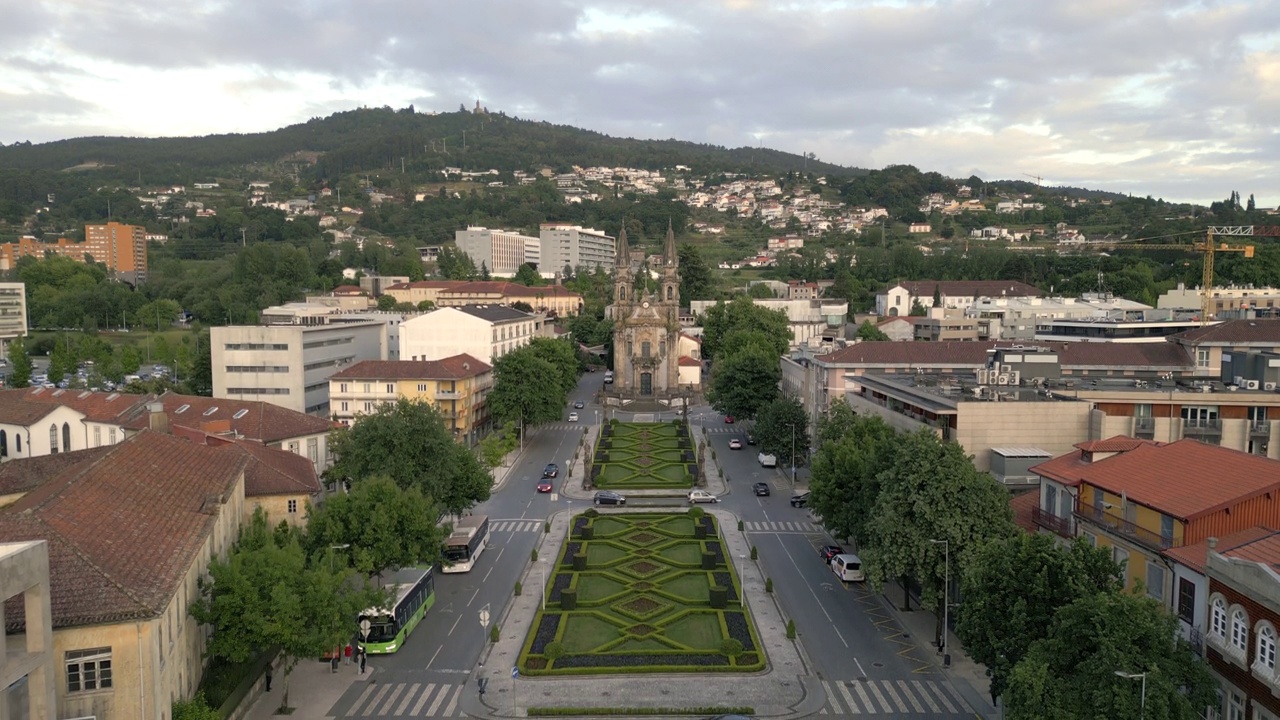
(643, 456)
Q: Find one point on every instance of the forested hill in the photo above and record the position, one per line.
(371, 139)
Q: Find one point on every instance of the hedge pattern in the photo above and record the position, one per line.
(644, 456)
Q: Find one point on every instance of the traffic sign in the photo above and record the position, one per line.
(515, 673)
(365, 626)
(484, 618)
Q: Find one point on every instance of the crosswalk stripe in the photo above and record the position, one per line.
(408, 698)
(928, 699)
(943, 697)
(862, 693)
(848, 698)
(426, 695)
(879, 697)
(906, 692)
(377, 700)
(964, 706)
(360, 701)
(888, 689)
(444, 690)
(391, 700)
(453, 702)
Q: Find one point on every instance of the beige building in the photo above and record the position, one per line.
(13, 314)
(485, 332)
(502, 252)
(944, 325)
(552, 299)
(28, 668)
(457, 386)
(810, 320)
(576, 247)
(130, 536)
(1224, 299)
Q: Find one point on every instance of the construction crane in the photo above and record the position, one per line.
(1039, 180)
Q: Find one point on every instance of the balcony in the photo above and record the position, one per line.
(1202, 426)
(1066, 527)
(448, 394)
(1144, 427)
(1260, 427)
(1097, 515)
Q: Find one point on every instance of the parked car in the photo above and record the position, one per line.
(609, 497)
(573, 417)
(799, 500)
(551, 470)
(761, 489)
(735, 444)
(544, 485)
(579, 405)
(702, 496)
(751, 438)
(826, 552)
(728, 420)
(767, 460)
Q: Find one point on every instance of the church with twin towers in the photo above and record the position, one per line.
(646, 335)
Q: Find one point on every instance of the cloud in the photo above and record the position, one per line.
(1174, 98)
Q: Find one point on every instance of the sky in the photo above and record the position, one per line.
(1169, 98)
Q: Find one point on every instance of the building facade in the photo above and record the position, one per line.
(501, 252)
(552, 299)
(28, 667)
(575, 247)
(810, 320)
(485, 332)
(457, 386)
(13, 314)
(899, 299)
(646, 338)
(290, 365)
(1244, 621)
(121, 248)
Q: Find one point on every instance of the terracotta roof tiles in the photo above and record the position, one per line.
(17, 410)
(21, 475)
(1193, 555)
(455, 367)
(1235, 332)
(255, 420)
(1264, 550)
(96, 406)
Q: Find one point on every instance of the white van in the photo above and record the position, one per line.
(767, 460)
(847, 567)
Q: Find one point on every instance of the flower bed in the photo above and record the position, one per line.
(643, 602)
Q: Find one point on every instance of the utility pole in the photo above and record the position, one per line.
(243, 242)
(401, 164)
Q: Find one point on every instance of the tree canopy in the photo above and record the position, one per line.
(781, 425)
(385, 525)
(532, 383)
(741, 314)
(745, 381)
(844, 483)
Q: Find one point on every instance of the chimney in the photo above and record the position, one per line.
(157, 420)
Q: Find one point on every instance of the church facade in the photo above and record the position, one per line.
(646, 336)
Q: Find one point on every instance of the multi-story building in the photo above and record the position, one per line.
(899, 299)
(501, 252)
(552, 299)
(944, 325)
(121, 248)
(1224, 299)
(810, 321)
(1244, 619)
(13, 314)
(1059, 481)
(457, 386)
(575, 247)
(310, 313)
(290, 365)
(1015, 318)
(24, 578)
(1106, 329)
(485, 332)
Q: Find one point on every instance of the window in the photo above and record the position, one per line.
(1121, 556)
(313, 449)
(1235, 706)
(1265, 657)
(53, 439)
(342, 387)
(366, 387)
(88, 670)
(646, 348)
(670, 295)
(1091, 539)
(1051, 499)
(111, 436)
(1218, 620)
(66, 437)
(344, 406)
(1166, 529)
(1187, 600)
(422, 387)
(1202, 357)
(1155, 581)
(293, 506)
(368, 407)
(4, 444)
(97, 436)
(17, 441)
(1239, 631)
(391, 387)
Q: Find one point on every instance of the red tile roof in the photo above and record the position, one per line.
(1193, 555)
(124, 529)
(1117, 444)
(455, 367)
(255, 420)
(1264, 550)
(686, 361)
(99, 407)
(1021, 504)
(1186, 479)
(21, 475)
(270, 471)
(15, 409)
(348, 290)
(970, 288)
(1235, 332)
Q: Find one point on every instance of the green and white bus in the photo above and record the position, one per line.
(414, 590)
(466, 542)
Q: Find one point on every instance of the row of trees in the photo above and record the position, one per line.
(744, 341)
(1051, 622)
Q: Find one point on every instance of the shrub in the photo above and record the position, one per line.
(708, 561)
(754, 553)
(731, 647)
(569, 599)
(591, 512)
(494, 633)
(554, 650)
(197, 708)
(519, 588)
(719, 599)
(533, 555)
(579, 562)
(696, 513)
(739, 524)
(791, 629)
(768, 585)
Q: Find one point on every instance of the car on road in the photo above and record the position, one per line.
(609, 497)
(826, 552)
(751, 438)
(761, 489)
(551, 470)
(579, 405)
(573, 417)
(728, 420)
(799, 500)
(544, 485)
(702, 496)
(735, 444)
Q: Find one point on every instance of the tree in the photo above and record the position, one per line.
(1071, 673)
(867, 331)
(19, 364)
(744, 381)
(62, 361)
(386, 526)
(386, 303)
(761, 291)
(266, 595)
(742, 314)
(528, 276)
(696, 282)
(408, 441)
(1013, 587)
(454, 264)
(522, 392)
(426, 306)
(158, 314)
(937, 296)
(931, 491)
(844, 483)
(484, 271)
(495, 446)
(917, 310)
(197, 708)
(781, 425)
(562, 355)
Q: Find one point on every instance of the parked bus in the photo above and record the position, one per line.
(847, 567)
(463, 548)
(414, 592)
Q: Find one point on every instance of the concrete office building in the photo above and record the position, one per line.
(290, 365)
(502, 252)
(577, 247)
(13, 314)
(485, 332)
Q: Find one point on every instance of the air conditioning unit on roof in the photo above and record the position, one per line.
(1269, 387)
(1002, 379)
(1251, 384)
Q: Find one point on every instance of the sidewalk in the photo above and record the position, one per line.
(313, 690)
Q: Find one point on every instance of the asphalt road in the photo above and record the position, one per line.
(866, 666)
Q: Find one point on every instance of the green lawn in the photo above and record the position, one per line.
(642, 456)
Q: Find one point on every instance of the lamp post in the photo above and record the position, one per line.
(542, 577)
(793, 454)
(946, 597)
(1142, 712)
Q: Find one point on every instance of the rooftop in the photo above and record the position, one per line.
(1155, 357)
(1264, 550)
(492, 313)
(1193, 555)
(970, 288)
(456, 367)
(1235, 332)
(250, 419)
(96, 406)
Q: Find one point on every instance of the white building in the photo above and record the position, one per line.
(290, 365)
(575, 246)
(1224, 299)
(1017, 318)
(808, 319)
(485, 332)
(13, 314)
(899, 299)
(502, 252)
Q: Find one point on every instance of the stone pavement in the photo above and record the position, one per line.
(313, 690)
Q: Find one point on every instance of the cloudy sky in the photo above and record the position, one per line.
(1172, 98)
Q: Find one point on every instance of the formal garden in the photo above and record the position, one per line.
(642, 592)
(644, 456)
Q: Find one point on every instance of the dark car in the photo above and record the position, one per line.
(761, 489)
(609, 497)
(826, 552)
(751, 438)
(551, 470)
(579, 405)
(544, 485)
(799, 500)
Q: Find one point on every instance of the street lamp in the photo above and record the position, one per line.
(542, 577)
(946, 597)
(1142, 712)
(793, 454)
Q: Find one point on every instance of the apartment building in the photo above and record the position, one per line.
(485, 332)
(502, 252)
(121, 248)
(30, 666)
(810, 320)
(1224, 299)
(1244, 618)
(900, 298)
(13, 314)
(1019, 318)
(575, 247)
(290, 365)
(457, 386)
(553, 299)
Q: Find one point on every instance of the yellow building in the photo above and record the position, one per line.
(457, 386)
(553, 299)
(129, 536)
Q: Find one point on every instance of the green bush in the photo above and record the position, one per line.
(719, 596)
(197, 708)
(519, 588)
(731, 647)
(754, 553)
(494, 633)
(546, 526)
(768, 585)
(791, 629)
(739, 525)
(569, 599)
(554, 650)
(591, 513)
(636, 712)
(696, 512)
(533, 555)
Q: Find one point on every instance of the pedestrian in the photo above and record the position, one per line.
(347, 661)
(333, 663)
(363, 656)
(268, 677)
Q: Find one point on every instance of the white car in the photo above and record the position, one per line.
(702, 496)
(573, 417)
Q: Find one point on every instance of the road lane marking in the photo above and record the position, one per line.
(862, 693)
(444, 690)
(906, 692)
(360, 701)
(922, 692)
(408, 698)
(943, 697)
(377, 700)
(455, 625)
(391, 700)
(426, 695)
(848, 698)
(871, 685)
(473, 597)
(453, 702)
(888, 689)
(437, 652)
(486, 577)
(861, 672)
